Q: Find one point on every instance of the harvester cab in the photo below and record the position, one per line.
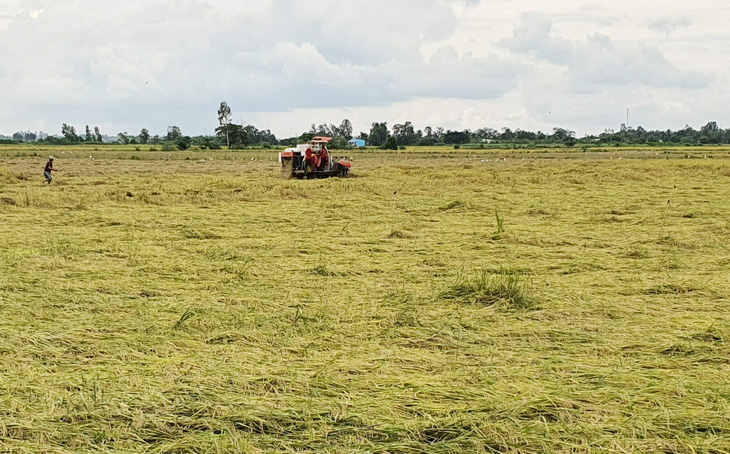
(312, 160)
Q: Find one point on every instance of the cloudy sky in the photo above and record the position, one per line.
(284, 64)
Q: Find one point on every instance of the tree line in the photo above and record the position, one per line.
(240, 136)
(405, 134)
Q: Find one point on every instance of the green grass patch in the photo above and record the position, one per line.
(508, 286)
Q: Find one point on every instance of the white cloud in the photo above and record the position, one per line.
(669, 25)
(533, 35)
(450, 75)
(153, 63)
(596, 61)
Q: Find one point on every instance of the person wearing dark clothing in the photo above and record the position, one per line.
(47, 171)
(309, 159)
(324, 159)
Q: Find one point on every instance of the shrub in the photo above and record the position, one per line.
(339, 143)
(489, 288)
(390, 144)
(184, 142)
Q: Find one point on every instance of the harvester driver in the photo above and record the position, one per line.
(324, 158)
(311, 159)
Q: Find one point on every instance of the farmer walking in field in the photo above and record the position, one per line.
(49, 168)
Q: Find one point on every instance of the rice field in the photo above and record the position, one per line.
(435, 302)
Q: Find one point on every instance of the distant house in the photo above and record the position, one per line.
(357, 143)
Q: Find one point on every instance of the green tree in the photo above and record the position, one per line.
(209, 143)
(236, 135)
(306, 137)
(564, 136)
(427, 141)
(123, 138)
(486, 134)
(405, 134)
(173, 133)
(24, 136)
(378, 134)
(710, 133)
(224, 118)
(97, 134)
(346, 129)
(69, 133)
(324, 130)
(339, 143)
(88, 137)
(457, 137)
(144, 136)
(506, 135)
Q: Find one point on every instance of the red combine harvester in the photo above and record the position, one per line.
(312, 160)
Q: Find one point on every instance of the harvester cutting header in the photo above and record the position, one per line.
(312, 160)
